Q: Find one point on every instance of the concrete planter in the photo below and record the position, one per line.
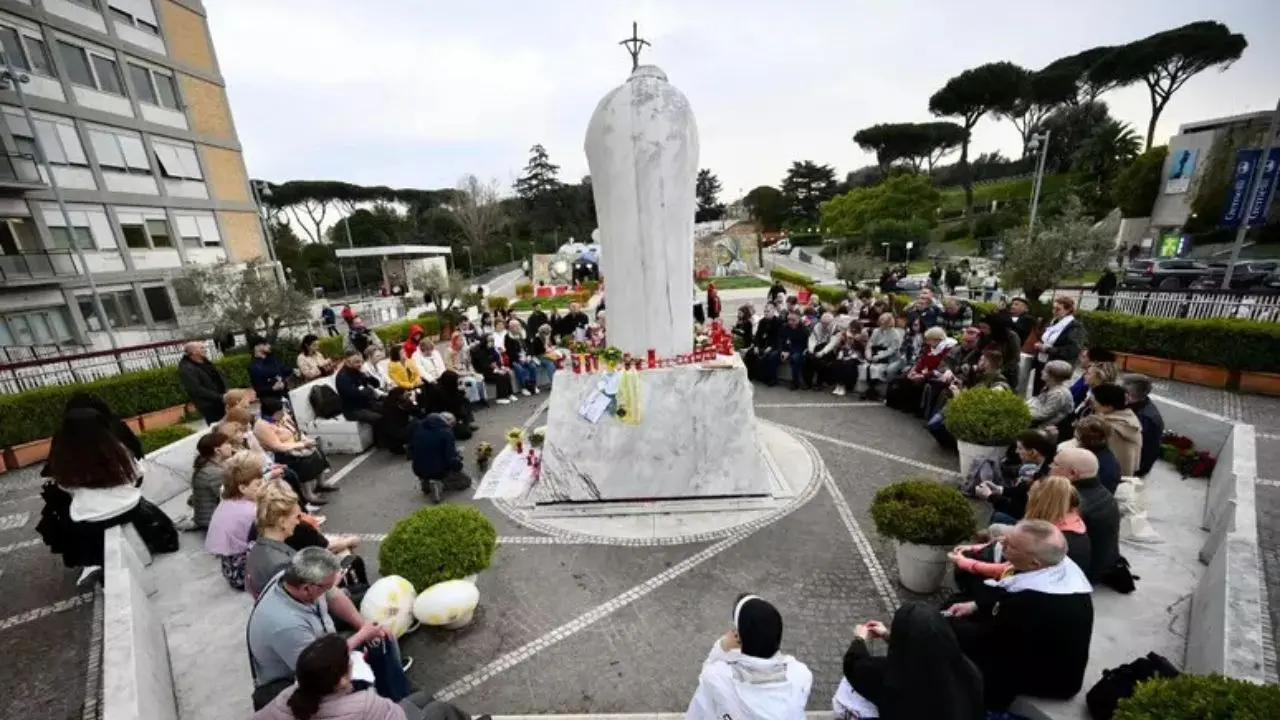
(1153, 367)
(1260, 382)
(20, 456)
(163, 418)
(972, 451)
(922, 568)
(134, 423)
(3, 466)
(1207, 375)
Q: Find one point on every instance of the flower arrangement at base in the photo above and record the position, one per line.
(538, 436)
(1180, 451)
(611, 356)
(1173, 445)
(484, 453)
(581, 347)
(515, 439)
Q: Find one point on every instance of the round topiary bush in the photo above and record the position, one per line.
(923, 512)
(1200, 697)
(438, 543)
(984, 416)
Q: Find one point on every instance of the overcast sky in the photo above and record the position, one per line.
(415, 94)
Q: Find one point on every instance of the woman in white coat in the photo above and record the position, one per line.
(746, 677)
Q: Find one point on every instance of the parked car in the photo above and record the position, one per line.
(1271, 282)
(1247, 275)
(1162, 274)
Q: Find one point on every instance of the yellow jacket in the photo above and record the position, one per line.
(404, 374)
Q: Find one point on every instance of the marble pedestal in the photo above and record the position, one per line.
(696, 439)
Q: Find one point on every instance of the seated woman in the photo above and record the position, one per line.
(1035, 453)
(232, 522)
(523, 365)
(845, 350)
(375, 365)
(924, 675)
(987, 373)
(241, 398)
(311, 363)
(449, 396)
(326, 688)
(428, 361)
(1053, 404)
(543, 350)
(1094, 434)
(906, 393)
(1098, 374)
(94, 486)
(398, 411)
(485, 360)
(401, 371)
(740, 660)
(1053, 499)
(277, 435)
(883, 349)
(457, 357)
(208, 475)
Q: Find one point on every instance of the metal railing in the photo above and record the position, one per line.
(1186, 304)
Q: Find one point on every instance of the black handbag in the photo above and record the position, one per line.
(1119, 683)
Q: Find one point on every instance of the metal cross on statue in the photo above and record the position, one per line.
(634, 45)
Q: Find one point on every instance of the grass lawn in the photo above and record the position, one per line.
(1007, 189)
(916, 267)
(1087, 278)
(558, 302)
(735, 282)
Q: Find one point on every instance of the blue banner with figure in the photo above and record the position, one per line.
(1237, 198)
(1261, 195)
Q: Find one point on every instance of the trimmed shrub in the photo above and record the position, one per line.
(153, 440)
(1200, 697)
(805, 239)
(955, 232)
(331, 346)
(590, 287)
(985, 416)
(497, 302)
(923, 512)
(1232, 343)
(791, 277)
(992, 224)
(830, 294)
(524, 290)
(438, 543)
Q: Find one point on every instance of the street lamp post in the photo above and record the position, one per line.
(261, 191)
(1038, 142)
(513, 252)
(15, 79)
(471, 264)
(886, 251)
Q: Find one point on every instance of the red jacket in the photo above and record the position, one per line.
(410, 346)
(931, 359)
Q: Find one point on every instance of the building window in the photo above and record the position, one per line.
(159, 304)
(25, 52)
(198, 230)
(177, 161)
(120, 307)
(119, 150)
(135, 236)
(58, 137)
(154, 87)
(38, 56)
(62, 239)
(36, 327)
(159, 232)
(17, 236)
(91, 69)
(123, 14)
(91, 4)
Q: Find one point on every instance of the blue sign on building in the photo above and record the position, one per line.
(1261, 195)
(1238, 197)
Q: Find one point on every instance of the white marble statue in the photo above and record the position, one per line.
(642, 150)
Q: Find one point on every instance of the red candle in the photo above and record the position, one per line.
(595, 363)
(653, 358)
(577, 364)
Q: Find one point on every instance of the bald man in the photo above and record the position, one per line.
(202, 381)
(1098, 509)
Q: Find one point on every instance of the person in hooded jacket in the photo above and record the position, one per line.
(924, 675)
(449, 396)
(435, 454)
(746, 677)
(1111, 404)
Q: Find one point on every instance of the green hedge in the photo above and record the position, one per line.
(792, 277)
(396, 332)
(1243, 345)
(153, 440)
(438, 543)
(1200, 697)
(826, 293)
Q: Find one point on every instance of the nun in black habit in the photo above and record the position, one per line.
(925, 676)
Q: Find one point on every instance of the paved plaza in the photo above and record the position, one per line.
(573, 624)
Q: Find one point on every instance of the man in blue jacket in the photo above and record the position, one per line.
(793, 343)
(436, 461)
(1138, 391)
(266, 372)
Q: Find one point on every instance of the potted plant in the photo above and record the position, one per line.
(611, 357)
(926, 519)
(538, 437)
(515, 439)
(984, 422)
(484, 454)
(1199, 697)
(439, 544)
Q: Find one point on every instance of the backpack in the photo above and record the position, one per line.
(1119, 683)
(325, 402)
(981, 470)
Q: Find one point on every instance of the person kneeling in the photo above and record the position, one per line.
(436, 461)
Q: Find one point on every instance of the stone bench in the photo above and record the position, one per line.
(1198, 601)
(335, 435)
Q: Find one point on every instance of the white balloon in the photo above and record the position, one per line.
(389, 602)
(447, 602)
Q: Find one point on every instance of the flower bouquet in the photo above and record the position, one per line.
(1196, 463)
(484, 453)
(515, 439)
(611, 357)
(538, 436)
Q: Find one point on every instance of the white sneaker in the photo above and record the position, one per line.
(503, 401)
(839, 391)
(537, 391)
(525, 393)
